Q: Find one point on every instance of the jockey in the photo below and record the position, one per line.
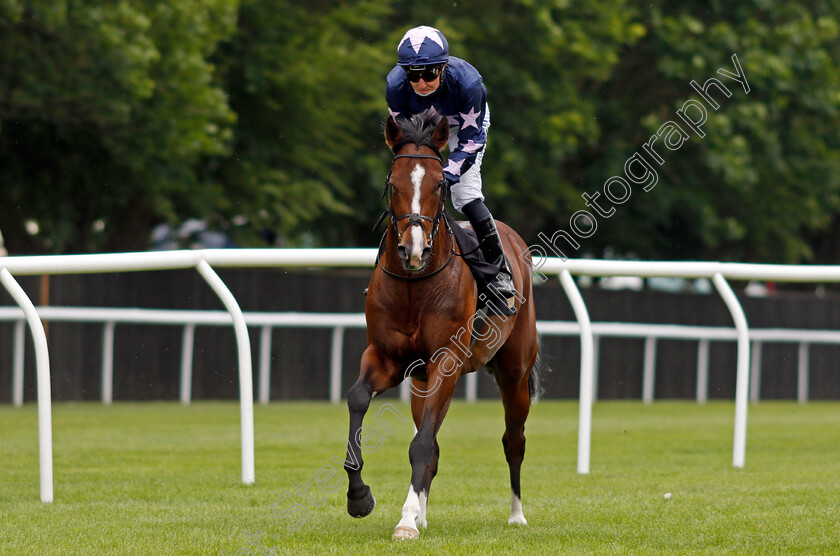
(427, 77)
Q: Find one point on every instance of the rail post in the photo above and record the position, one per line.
(42, 364)
(742, 380)
(586, 371)
(246, 384)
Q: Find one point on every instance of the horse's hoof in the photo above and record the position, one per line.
(361, 507)
(403, 532)
(518, 520)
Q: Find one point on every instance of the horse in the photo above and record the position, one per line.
(421, 324)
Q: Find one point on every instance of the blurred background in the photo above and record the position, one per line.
(260, 120)
(136, 125)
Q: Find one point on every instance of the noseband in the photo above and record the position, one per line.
(413, 218)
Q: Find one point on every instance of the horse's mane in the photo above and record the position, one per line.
(418, 130)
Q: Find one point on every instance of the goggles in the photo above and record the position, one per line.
(426, 73)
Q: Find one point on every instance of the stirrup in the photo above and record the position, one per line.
(503, 285)
(502, 295)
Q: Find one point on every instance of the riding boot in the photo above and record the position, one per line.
(491, 247)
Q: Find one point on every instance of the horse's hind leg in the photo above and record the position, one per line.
(517, 401)
(375, 376)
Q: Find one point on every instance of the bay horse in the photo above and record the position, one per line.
(421, 312)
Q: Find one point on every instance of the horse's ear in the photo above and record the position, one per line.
(441, 133)
(393, 133)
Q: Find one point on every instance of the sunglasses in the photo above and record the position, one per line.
(426, 73)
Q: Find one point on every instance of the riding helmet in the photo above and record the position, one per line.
(422, 46)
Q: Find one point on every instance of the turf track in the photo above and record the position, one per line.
(161, 478)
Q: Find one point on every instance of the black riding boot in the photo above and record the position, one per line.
(491, 247)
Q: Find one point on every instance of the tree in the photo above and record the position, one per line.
(304, 79)
(764, 179)
(115, 116)
(105, 110)
(576, 89)
(540, 62)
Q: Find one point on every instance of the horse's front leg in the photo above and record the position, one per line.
(376, 376)
(424, 452)
(418, 405)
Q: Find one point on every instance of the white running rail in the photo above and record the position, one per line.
(205, 260)
(109, 317)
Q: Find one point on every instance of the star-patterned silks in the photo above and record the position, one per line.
(462, 102)
(392, 113)
(471, 146)
(453, 167)
(470, 118)
(419, 34)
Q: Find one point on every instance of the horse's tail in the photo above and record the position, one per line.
(535, 382)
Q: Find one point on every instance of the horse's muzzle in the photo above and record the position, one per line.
(414, 250)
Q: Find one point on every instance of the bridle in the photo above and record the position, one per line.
(414, 218)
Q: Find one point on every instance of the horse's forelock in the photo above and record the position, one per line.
(419, 129)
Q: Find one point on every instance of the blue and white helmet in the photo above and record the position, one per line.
(422, 46)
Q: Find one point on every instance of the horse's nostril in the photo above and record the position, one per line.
(426, 252)
(402, 252)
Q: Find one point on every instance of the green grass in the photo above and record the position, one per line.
(160, 478)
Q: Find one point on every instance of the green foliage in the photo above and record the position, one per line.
(117, 115)
(767, 174)
(540, 62)
(575, 90)
(106, 108)
(542, 65)
(304, 79)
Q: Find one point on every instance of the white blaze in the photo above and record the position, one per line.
(416, 231)
(417, 180)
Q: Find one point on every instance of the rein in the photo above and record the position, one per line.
(413, 218)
